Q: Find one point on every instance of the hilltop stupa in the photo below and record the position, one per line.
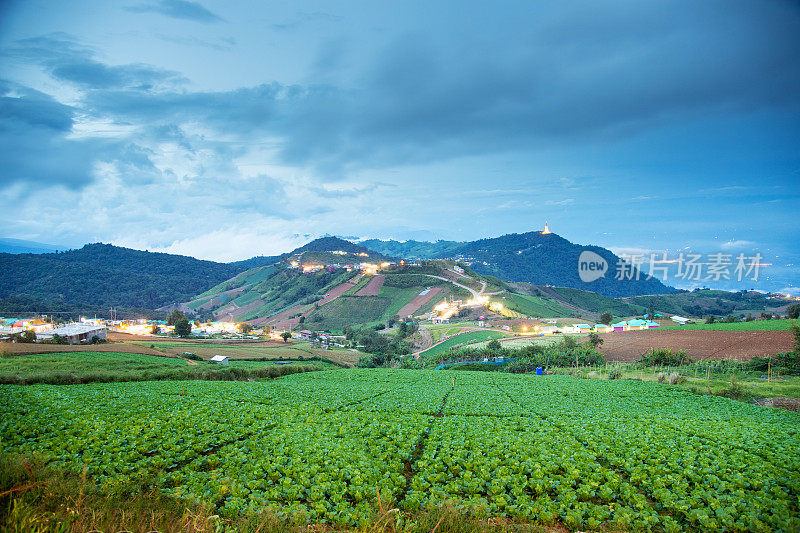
(546, 229)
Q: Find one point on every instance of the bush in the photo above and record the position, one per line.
(662, 377)
(614, 373)
(735, 391)
(664, 357)
(676, 379)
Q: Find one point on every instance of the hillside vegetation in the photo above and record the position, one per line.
(533, 257)
(102, 275)
(702, 302)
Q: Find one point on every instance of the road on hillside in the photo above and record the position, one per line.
(473, 292)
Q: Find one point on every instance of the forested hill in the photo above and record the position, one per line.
(533, 257)
(103, 275)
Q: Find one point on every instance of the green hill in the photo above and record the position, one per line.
(703, 302)
(533, 257)
(99, 276)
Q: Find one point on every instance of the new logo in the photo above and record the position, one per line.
(591, 266)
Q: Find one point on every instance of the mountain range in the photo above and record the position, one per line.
(534, 257)
(98, 276)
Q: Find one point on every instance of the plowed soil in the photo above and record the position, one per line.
(698, 344)
(373, 287)
(417, 302)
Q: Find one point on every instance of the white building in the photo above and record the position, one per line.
(76, 333)
(220, 359)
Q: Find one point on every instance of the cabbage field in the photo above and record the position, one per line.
(324, 446)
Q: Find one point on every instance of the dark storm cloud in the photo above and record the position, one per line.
(34, 148)
(564, 76)
(178, 9)
(575, 75)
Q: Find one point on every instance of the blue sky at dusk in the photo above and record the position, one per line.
(225, 130)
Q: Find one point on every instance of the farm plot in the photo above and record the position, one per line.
(698, 344)
(88, 367)
(463, 338)
(320, 447)
(264, 350)
(418, 301)
(373, 288)
(18, 348)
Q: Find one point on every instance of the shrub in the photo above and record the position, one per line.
(735, 391)
(676, 379)
(662, 377)
(614, 373)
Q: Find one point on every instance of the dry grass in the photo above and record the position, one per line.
(35, 498)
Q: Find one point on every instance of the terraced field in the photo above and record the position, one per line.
(463, 338)
(323, 447)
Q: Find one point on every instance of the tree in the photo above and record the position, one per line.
(154, 329)
(793, 311)
(494, 346)
(710, 319)
(183, 327)
(245, 328)
(27, 336)
(174, 316)
(286, 336)
(651, 313)
(796, 333)
(594, 339)
(606, 318)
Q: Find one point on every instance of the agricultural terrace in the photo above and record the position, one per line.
(321, 447)
(87, 367)
(270, 350)
(463, 339)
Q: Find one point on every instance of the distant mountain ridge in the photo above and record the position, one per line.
(533, 257)
(19, 246)
(99, 275)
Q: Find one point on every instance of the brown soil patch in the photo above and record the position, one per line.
(373, 287)
(781, 402)
(332, 294)
(698, 344)
(417, 302)
(232, 312)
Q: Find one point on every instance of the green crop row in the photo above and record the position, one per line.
(324, 447)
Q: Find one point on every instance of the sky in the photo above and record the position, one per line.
(225, 130)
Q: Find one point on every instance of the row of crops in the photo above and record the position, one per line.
(322, 447)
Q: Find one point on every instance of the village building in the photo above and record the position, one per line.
(76, 333)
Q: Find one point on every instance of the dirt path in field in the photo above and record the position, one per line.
(698, 344)
(190, 362)
(373, 287)
(417, 302)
